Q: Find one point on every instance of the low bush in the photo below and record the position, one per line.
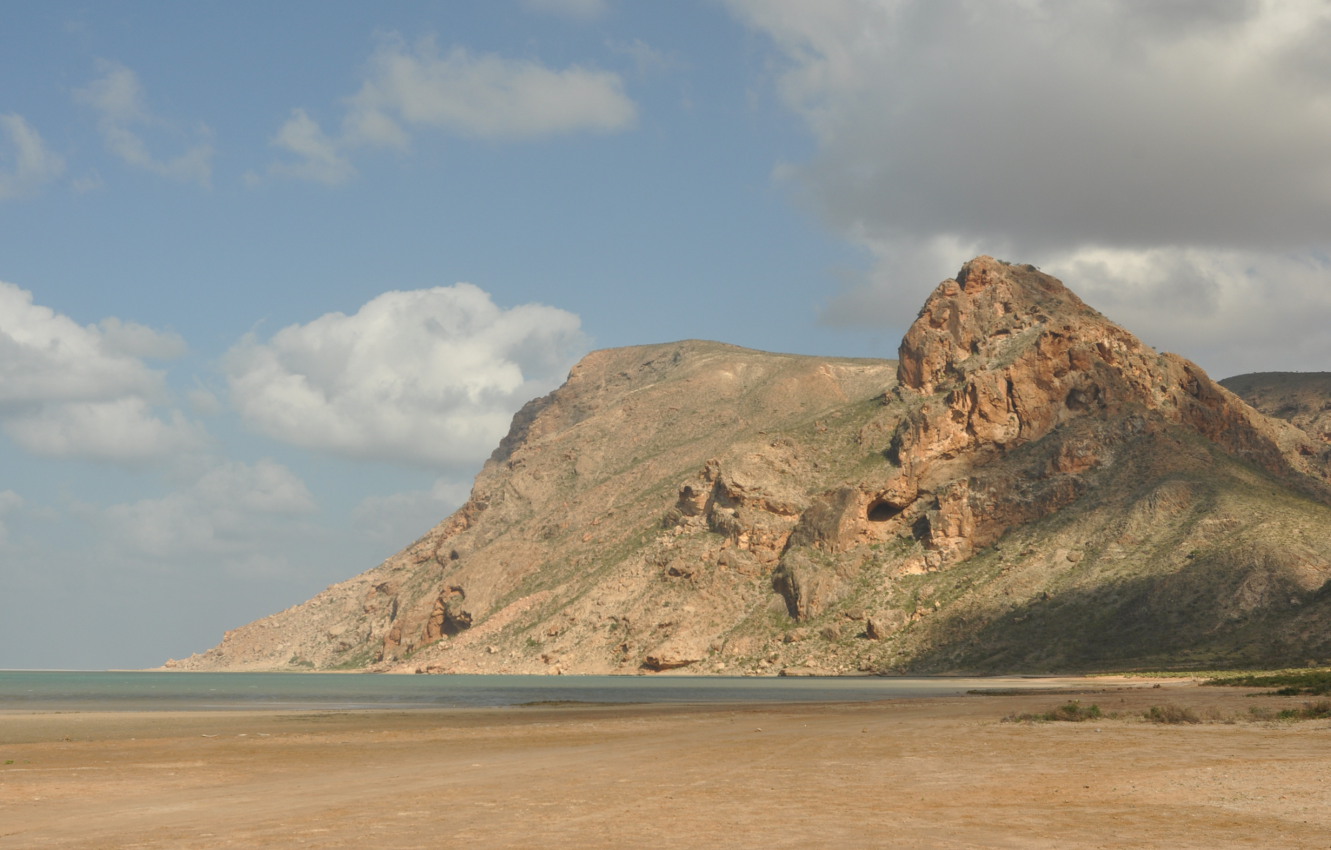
(1171, 714)
(1289, 683)
(1309, 711)
(1069, 712)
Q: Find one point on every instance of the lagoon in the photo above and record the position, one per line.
(150, 691)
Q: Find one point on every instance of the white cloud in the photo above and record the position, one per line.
(48, 357)
(317, 156)
(72, 391)
(482, 95)
(1189, 133)
(425, 377)
(227, 511)
(408, 88)
(131, 339)
(1231, 311)
(124, 430)
(578, 9)
(204, 401)
(25, 161)
(647, 60)
(401, 517)
(90, 182)
(124, 118)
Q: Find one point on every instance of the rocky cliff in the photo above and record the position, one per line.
(1029, 487)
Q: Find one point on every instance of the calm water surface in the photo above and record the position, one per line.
(97, 691)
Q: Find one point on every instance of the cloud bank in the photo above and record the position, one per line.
(426, 377)
(1158, 144)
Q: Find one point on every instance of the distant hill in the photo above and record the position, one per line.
(1301, 398)
(1027, 488)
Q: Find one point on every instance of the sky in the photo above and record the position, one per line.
(274, 277)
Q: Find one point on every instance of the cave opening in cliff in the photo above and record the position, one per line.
(882, 511)
(921, 529)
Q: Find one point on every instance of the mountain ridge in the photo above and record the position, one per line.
(1023, 470)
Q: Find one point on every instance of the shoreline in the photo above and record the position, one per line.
(918, 772)
(311, 691)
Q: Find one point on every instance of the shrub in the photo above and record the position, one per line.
(1291, 683)
(1171, 714)
(1310, 711)
(1075, 712)
(1069, 712)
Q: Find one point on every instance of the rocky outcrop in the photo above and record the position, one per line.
(1003, 357)
(1028, 487)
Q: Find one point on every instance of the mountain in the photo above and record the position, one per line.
(1027, 488)
(1302, 398)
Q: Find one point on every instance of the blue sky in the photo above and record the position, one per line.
(274, 276)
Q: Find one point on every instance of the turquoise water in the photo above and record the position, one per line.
(98, 691)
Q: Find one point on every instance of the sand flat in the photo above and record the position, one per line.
(904, 773)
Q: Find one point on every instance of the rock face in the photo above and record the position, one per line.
(1028, 487)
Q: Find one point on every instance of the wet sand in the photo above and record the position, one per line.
(906, 773)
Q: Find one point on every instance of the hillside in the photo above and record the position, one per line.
(1301, 398)
(1027, 488)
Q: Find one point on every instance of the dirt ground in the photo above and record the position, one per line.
(943, 773)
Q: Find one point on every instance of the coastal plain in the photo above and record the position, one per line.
(950, 772)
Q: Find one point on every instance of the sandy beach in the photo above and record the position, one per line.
(905, 773)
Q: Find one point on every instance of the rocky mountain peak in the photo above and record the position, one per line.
(1005, 356)
(970, 322)
(1013, 354)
